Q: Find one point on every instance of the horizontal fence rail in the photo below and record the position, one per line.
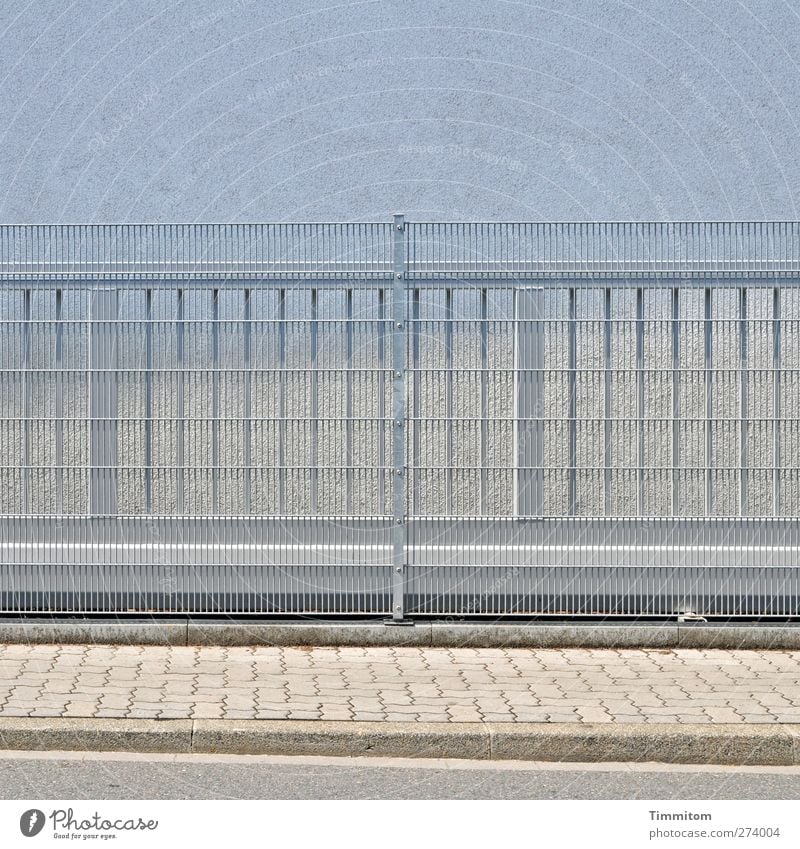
(401, 419)
(292, 251)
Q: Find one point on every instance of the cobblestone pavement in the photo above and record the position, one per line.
(401, 684)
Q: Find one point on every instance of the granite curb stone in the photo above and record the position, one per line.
(765, 745)
(94, 734)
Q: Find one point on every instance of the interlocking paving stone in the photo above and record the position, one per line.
(759, 717)
(587, 714)
(430, 685)
(722, 714)
(205, 711)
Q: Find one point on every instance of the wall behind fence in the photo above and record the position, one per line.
(324, 110)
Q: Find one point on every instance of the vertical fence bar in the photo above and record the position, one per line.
(27, 395)
(215, 402)
(148, 401)
(450, 472)
(607, 405)
(572, 448)
(248, 404)
(484, 473)
(743, 401)
(314, 424)
(400, 533)
(529, 355)
(640, 400)
(103, 403)
(416, 409)
(59, 401)
(776, 412)
(180, 473)
(283, 477)
(382, 508)
(709, 405)
(676, 401)
(348, 425)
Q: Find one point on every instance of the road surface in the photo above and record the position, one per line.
(72, 776)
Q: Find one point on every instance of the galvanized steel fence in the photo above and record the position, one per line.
(401, 419)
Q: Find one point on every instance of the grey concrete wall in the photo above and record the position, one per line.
(318, 109)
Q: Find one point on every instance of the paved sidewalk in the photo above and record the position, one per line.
(401, 684)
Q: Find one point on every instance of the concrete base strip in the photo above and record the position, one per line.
(95, 735)
(421, 634)
(763, 745)
(93, 632)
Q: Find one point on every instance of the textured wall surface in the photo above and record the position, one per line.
(475, 109)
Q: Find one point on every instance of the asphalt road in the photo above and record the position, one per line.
(73, 776)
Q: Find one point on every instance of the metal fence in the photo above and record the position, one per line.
(401, 419)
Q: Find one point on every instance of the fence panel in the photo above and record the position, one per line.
(400, 419)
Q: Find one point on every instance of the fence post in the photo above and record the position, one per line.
(400, 527)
